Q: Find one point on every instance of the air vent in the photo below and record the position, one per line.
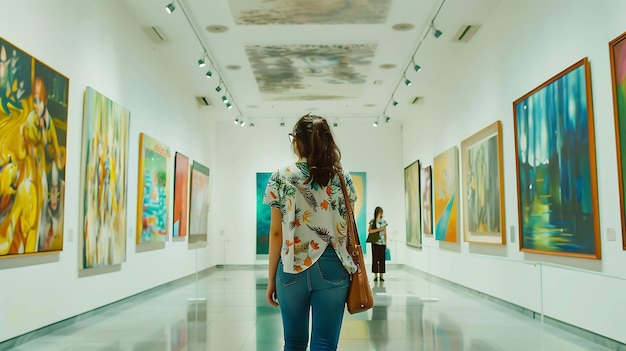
(156, 34)
(466, 33)
(416, 100)
(203, 101)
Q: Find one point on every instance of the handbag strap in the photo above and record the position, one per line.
(353, 239)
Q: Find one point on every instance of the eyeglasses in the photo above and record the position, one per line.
(292, 136)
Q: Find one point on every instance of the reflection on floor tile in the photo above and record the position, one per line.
(235, 316)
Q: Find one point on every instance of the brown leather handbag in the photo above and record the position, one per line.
(360, 297)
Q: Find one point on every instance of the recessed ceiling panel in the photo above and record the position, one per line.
(311, 72)
(258, 12)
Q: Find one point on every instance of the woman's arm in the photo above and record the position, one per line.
(276, 242)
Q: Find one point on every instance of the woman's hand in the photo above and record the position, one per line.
(270, 294)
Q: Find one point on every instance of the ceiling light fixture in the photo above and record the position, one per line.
(224, 99)
(387, 119)
(206, 56)
(236, 121)
(243, 124)
(375, 124)
(437, 33)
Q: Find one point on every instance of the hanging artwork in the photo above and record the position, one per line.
(411, 204)
(359, 179)
(152, 190)
(181, 195)
(199, 204)
(426, 186)
(483, 184)
(556, 166)
(33, 129)
(446, 193)
(263, 215)
(104, 179)
(617, 49)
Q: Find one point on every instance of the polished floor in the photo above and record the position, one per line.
(235, 316)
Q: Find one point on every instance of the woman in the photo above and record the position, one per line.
(378, 225)
(309, 266)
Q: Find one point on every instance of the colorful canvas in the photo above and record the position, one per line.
(411, 204)
(426, 185)
(33, 129)
(556, 167)
(152, 191)
(360, 215)
(483, 199)
(446, 193)
(262, 12)
(618, 69)
(181, 195)
(104, 179)
(199, 204)
(263, 215)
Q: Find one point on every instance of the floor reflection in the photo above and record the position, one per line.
(197, 325)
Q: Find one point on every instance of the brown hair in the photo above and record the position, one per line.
(317, 144)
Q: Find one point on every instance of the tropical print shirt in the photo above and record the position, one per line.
(313, 216)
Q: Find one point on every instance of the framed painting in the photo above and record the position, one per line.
(104, 169)
(359, 179)
(412, 204)
(180, 215)
(483, 191)
(199, 204)
(33, 135)
(446, 193)
(152, 190)
(426, 186)
(556, 166)
(617, 48)
(263, 215)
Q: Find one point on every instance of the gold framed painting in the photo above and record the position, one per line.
(483, 191)
(556, 166)
(617, 48)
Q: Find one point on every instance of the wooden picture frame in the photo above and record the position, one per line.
(426, 187)
(556, 166)
(483, 190)
(617, 50)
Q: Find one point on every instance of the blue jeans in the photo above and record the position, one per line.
(323, 289)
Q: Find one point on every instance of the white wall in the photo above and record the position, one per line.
(242, 152)
(523, 44)
(94, 44)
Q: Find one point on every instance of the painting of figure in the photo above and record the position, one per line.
(483, 199)
(412, 204)
(33, 129)
(426, 185)
(104, 177)
(617, 49)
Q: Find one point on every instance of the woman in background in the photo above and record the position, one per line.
(378, 225)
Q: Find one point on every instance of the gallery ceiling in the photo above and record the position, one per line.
(279, 59)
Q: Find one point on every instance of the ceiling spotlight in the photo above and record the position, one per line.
(387, 119)
(251, 124)
(201, 63)
(416, 67)
(282, 124)
(335, 124)
(236, 121)
(170, 8)
(436, 32)
(243, 124)
(209, 74)
(229, 105)
(394, 103)
(218, 88)
(224, 99)
(407, 82)
(375, 124)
